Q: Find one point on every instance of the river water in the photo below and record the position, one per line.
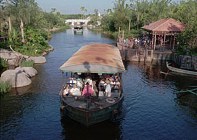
(151, 109)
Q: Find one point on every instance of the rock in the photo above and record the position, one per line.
(16, 78)
(51, 48)
(6, 54)
(30, 71)
(48, 50)
(13, 58)
(44, 53)
(12, 62)
(37, 60)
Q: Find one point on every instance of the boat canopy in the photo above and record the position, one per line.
(95, 58)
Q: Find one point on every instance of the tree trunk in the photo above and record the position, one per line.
(129, 24)
(22, 32)
(9, 27)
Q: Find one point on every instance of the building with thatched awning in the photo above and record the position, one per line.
(164, 32)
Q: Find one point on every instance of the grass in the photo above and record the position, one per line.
(3, 63)
(27, 63)
(4, 87)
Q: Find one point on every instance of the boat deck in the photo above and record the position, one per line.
(92, 103)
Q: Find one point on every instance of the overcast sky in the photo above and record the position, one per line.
(73, 6)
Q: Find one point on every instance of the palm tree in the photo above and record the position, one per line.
(83, 10)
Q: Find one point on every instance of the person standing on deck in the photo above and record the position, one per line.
(108, 89)
(88, 90)
(75, 91)
(66, 90)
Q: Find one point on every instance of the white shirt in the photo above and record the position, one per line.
(75, 91)
(108, 90)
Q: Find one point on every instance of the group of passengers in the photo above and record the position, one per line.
(109, 83)
(89, 86)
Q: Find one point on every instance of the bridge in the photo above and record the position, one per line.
(73, 22)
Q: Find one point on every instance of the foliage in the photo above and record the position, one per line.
(83, 10)
(188, 39)
(107, 23)
(4, 87)
(73, 16)
(35, 43)
(25, 25)
(3, 44)
(27, 63)
(95, 18)
(131, 15)
(3, 63)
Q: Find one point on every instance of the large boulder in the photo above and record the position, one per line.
(30, 71)
(16, 78)
(6, 54)
(13, 58)
(38, 60)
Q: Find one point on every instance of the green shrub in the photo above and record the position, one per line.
(4, 87)
(3, 44)
(27, 63)
(36, 43)
(3, 63)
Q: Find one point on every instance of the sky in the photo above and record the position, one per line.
(73, 6)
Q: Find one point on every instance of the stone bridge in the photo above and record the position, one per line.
(73, 22)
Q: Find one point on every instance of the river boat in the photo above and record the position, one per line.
(179, 70)
(78, 29)
(97, 61)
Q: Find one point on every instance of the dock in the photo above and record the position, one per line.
(142, 54)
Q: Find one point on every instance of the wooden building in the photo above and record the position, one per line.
(163, 32)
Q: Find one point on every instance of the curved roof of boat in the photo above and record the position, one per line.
(95, 58)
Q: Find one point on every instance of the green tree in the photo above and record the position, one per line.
(83, 10)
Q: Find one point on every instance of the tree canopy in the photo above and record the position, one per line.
(25, 26)
(131, 15)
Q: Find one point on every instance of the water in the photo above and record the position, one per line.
(151, 108)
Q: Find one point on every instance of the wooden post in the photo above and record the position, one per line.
(164, 40)
(173, 43)
(155, 41)
(152, 42)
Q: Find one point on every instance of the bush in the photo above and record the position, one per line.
(3, 44)
(35, 43)
(3, 63)
(4, 87)
(27, 63)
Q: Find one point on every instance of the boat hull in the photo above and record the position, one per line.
(78, 31)
(91, 117)
(182, 71)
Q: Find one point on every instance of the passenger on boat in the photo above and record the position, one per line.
(88, 90)
(102, 85)
(72, 81)
(95, 88)
(75, 75)
(75, 91)
(108, 89)
(79, 83)
(112, 81)
(66, 91)
(89, 80)
(116, 84)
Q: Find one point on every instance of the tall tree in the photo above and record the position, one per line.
(83, 10)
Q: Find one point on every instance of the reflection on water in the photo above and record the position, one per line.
(102, 131)
(152, 107)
